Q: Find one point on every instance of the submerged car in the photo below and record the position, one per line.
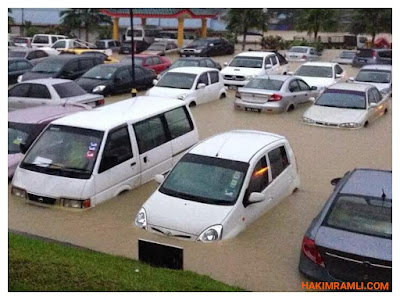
(372, 57)
(273, 93)
(205, 62)
(347, 105)
(208, 47)
(378, 75)
(302, 53)
(161, 48)
(220, 187)
(345, 58)
(351, 238)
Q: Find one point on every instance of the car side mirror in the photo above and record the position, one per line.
(351, 78)
(312, 99)
(268, 66)
(256, 197)
(201, 86)
(313, 88)
(23, 148)
(290, 73)
(159, 178)
(225, 64)
(373, 105)
(338, 75)
(155, 81)
(335, 181)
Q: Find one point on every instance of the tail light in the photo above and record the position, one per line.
(86, 203)
(310, 250)
(275, 97)
(238, 95)
(100, 102)
(373, 53)
(304, 57)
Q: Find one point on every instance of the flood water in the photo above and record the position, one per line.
(265, 256)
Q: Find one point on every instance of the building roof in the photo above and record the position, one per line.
(193, 13)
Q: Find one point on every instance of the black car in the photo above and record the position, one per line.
(63, 66)
(17, 67)
(115, 78)
(33, 55)
(208, 47)
(139, 46)
(372, 57)
(351, 238)
(194, 62)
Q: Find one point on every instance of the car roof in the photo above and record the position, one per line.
(369, 182)
(277, 77)
(23, 50)
(360, 87)
(319, 64)
(191, 70)
(47, 81)
(193, 58)
(377, 67)
(113, 115)
(256, 53)
(117, 65)
(225, 145)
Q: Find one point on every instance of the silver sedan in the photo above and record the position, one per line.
(274, 93)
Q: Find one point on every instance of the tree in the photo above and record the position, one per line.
(241, 20)
(317, 20)
(30, 30)
(10, 19)
(371, 21)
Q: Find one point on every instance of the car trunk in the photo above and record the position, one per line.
(254, 96)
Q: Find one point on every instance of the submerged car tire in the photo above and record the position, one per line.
(192, 104)
(366, 124)
(223, 96)
(290, 108)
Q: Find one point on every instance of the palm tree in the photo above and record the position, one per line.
(10, 19)
(72, 19)
(371, 21)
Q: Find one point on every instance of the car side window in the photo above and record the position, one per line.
(178, 122)
(53, 39)
(377, 95)
(20, 90)
(203, 79)
(294, 86)
(312, 51)
(209, 63)
(59, 44)
(156, 61)
(274, 60)
(214, 77)
(338, 69)
(118, 146)
(71, 67)
(41, 53)
(150, 134)
(148, 62)
(31, 55)
(39, 91)
(278, 160)
(303, 86)
(123, 75)
(139, 73)
(86, 64)
(259, 178)
(268, 61)
(371, 97)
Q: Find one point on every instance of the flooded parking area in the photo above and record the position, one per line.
(265, 256)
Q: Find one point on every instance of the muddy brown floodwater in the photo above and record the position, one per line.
(265, 256)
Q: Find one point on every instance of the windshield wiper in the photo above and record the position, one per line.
(75, 169)
(328, 105)
(44, 165)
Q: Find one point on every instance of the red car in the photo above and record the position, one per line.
(154, 62)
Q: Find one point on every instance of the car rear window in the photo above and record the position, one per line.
(41, 39)
(298, 50)
(68, 89)
(265, 84)
(101, 45)
(364, 53)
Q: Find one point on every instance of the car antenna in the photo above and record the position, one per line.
(383, 197)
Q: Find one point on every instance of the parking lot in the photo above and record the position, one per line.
(265, 256)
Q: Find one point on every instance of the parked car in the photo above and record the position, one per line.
(350, 240)
(372, 57)
(22, 41)
(115, 78)
(62, 66)
(208, 47)
(273, 93)
(24, 125)
(220, 187)
(154, 62)
(193, 85)
(107, 59)
(377, 75)
(33, 55)
(302, 53)
(17, 67)
(45, 40)
(139, 46)
(70, 44)
(345, 58)
(205, 62)
(92, 156)
(321, 74)
(247, 65)
(114, 45)
(161, 48)
(49, 91)
(347, 105)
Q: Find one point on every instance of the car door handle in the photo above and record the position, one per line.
(133, 164)
(145, 159)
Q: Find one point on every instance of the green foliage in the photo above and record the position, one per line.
(30, 30)
(317, 20)
(273, 42)
(105, 32)
(371, 21)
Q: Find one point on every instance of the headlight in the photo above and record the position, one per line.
(75, 203)
(141, 219)
(350, 125)
(99, 88)
(18, 192)
(211, 234)
(19, 79)
(181, 97)
(250, 77)
(198, 50)
(308, 120)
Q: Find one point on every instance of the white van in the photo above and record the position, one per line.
(220, 186)
(45, 40)
(147, 33)
(84, 159)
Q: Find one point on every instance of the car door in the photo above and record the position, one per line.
(17, 96)
(312, 54)
(38, 95)
(381, 101)
(119, 164)
(203, 94)
(215, 86)
(155, 150)
(340, 74)
(296, 95)
(122, 80)
(70, 70)
(306, 93)
(275, 65)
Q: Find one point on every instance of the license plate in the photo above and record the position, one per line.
(362, 60)
(232, 87)
(252, 109)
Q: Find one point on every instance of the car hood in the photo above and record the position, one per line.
(88, 83)
(194, 47)
(32, 75)
(334, 115)
(317, 81)
(241, 71)
(183, 215)
(13, 161)
(166, 92)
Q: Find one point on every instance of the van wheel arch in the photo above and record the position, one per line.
(222, 96)
(192, 104)
(366, 124)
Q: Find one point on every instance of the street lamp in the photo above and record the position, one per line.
(133, 91)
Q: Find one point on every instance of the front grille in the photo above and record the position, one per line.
(327, 124)
(41, 199)
(168, 233)
(234, 77)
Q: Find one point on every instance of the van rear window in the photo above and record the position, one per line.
(41, 39)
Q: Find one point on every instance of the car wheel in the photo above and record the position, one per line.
(290, 108)
(223, 96)
(386, 111)
(192, 104)
(366, 124)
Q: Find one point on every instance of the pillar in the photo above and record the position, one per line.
(180, 32)
(203, 28)
(143, 21)
(116, 29)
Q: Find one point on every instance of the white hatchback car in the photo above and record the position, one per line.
(219, 187)
(301, 53)
(194, 85)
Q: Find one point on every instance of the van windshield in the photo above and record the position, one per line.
(206, 179)
(41, 39)
(64, 151)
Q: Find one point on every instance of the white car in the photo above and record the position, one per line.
(347, 105)
(247, 65)
(220, 187)
(321, 74)
(377, 75)
(302, 53)
(194, 85)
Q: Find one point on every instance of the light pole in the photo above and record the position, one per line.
(133, 91)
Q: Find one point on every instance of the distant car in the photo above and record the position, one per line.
(347, 105)
(139, 46)
(161, 48)
(321, 74)
(22, 41)
(17, 67)
(24, 125)
(194, 85)
(350, 239)
(114, 45)
(302, 53)
(377, 75)
(49, 91)
(221, 186)
(62, 66)
(45, 40)
(372, 57)
(208, 47)
(115, 78)
(273, 93)
(33, 55)
(205, 62)
(345, 58)
(107, 59)
(153, 62)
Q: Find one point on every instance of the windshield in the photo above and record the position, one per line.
(342, 99)
(64, 151)
(177, 80)
(48, 66)
(375, 76)
(101, 45)
(206, 179)
(347, 55)
(41, 39)
(198, 43)
(157, 47)
(17, 134)
(184, 63)
(265, 84)
(298, 50)
(372, 216)
(100, 73)
(18, 54)
(247, 62)
(315, 71)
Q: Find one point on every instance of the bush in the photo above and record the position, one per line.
(273, 42)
